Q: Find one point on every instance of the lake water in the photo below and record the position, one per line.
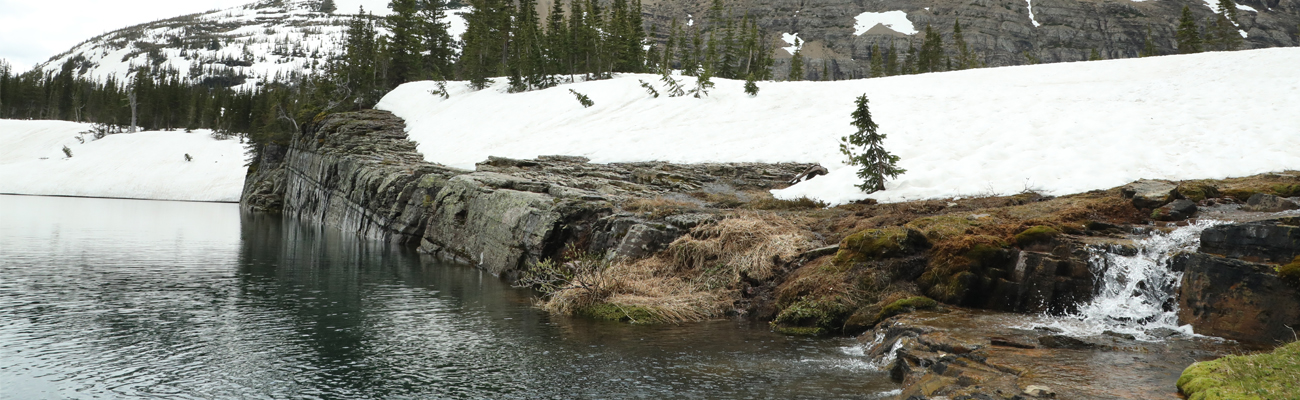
(108, 298)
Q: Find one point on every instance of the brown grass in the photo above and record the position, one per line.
(697, 277)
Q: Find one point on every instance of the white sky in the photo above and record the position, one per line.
(32, 31)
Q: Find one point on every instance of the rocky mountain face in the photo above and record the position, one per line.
(240, 46)
(1001, 32)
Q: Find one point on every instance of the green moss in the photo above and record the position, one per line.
(1037, 234)
(824, 314)
(875, 244)
(1240, 194)
(1274, 375)
(941, 227)
(905, 306)
(1290, 273)
(1198, 191)
(621, 313)
(802, 203)
(1287, 190)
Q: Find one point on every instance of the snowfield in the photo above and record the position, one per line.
(1056, 128)
(144, 165)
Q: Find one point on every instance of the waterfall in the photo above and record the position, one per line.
(1137, 291)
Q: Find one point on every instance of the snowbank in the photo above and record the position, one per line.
(1058, 128)
(145, 165)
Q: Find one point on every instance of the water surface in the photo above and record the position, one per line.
(143, 299)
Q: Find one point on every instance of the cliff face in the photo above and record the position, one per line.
(1000, 32)
(358, 172)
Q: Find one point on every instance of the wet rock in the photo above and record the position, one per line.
(1268, 203)
(1149, 193)
(1005, 342)
(1163, 333)
(1120, 335)
(1273, 241)
(1065, 342)
(1177, 210)
(1236, 299)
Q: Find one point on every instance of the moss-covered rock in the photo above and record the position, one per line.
(811, 316)
(1290, 272)
(1035, 235)
(905, 306)
(875, 244)
(1285, 190)
(619, 313)
(1274, 375)
(1197, 191)
(1240, 194)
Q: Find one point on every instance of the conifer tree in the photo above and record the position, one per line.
(891, 61)
(876, 163)
(796, 63)
(931, 58)
(327, 6)
(1094, 55)
(404, 45)
(557, 40)
(1148, 47)
(1224, 27)
(1188, 36)
(965, 57)
(877, 62)
(751, 88)
(438, 47)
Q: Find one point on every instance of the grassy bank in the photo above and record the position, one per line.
(1273, 375)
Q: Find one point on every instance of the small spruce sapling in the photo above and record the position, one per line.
(673, 86)
(751, 88)
(703, 82)
(188, 158)
(441, 91)
(649, 89)
(582, 98)
(877, 164)
(67, 151)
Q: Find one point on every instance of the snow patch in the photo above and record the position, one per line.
(1060, 128)
(896, 20)
(145, 165)
(1030, 4)
(793, 40)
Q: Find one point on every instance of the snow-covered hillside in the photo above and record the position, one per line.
(1058, 128)
(144, 165)
(240, 46)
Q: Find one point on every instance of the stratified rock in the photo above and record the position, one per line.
(1148, 193)
(1268, 203)
(1177, 210)
(1272, 241)
(1065, 342)
(1236, 299)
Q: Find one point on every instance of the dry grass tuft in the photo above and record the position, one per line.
(696, 279)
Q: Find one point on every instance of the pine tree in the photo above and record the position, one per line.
(877, 62)
(891, 61)
(557, 40)
(1224, 25)
(965, 57)
(439, 47)
(931, 58)
(796, 63)
(1148, 47)
(327, 6)
(1188, 36)
(404, 43)
(1094, 55)
(877, 164)
(751, 88)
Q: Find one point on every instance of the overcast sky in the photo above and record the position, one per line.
(32, 31)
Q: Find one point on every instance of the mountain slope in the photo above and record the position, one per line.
(1058, 128)
(241, 46)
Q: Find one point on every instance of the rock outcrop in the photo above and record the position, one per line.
(359, 172)
(1232, 288)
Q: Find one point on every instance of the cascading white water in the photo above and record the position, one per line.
(1136, 293)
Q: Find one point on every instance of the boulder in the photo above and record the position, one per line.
(1177, 210)
(1149, 194)
(1236, 299)
(1268, 203)
(1273, 241)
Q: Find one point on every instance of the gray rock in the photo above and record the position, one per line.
(1273, 241)
(1149, 193)
(1236, 299)
(1177, 210)
(1268, 203)
(1065, 342)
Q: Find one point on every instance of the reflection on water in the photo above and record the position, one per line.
(138, 299)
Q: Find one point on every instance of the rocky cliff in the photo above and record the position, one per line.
(1000, 32)
(358, 172)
